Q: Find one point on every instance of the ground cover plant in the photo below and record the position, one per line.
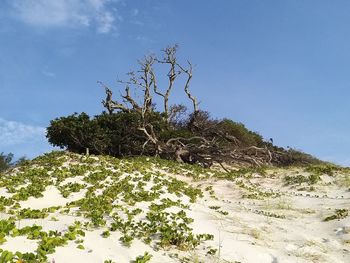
(339, 214)
(139, 199)
(115, 193)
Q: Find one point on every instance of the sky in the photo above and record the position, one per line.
(278, 66)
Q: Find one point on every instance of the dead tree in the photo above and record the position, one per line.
(145, 80)
(205, 146)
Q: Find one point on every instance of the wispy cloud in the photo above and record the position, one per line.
(145, 39)
(48, 74)
(134, 12)
(100, 14)
(14, 133)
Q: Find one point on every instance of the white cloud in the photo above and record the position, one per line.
(14, 133)
(67, 13)
(105, 22)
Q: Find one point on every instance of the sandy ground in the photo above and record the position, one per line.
(285, 225)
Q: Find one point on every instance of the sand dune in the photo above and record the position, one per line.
(104, 209)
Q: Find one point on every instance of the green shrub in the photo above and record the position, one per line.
(5, 161)
(73, 132)
(322, 169)
(115, 134)
(118, 134)
(299, 179)
(298, 158)
(143, 259)
(241, 133)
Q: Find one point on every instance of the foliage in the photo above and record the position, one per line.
(115, 134)
(118, 193)
(140, 127)
(47, 241)
(297, 158)
(74, 132)
(134, 197)
(143, 259)
(299, 179)
(328, 169)
(339, 214)
(5, 161)
(241, 133)
(118, 134)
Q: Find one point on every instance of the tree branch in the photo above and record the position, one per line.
(188, 72)
(109, 104)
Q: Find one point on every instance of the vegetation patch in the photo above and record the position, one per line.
(114, 200)
(300, 179)
(339, 214)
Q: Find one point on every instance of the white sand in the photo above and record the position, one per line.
(245, 234)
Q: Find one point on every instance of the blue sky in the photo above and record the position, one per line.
(278, 66)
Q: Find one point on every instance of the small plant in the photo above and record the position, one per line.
(344, 181)
(322, 169)
(225, 213)
(106, 234)
(6, 256)
(69, 188)
(313, 178)
(126, 240)
(143, 259)
(212, 251)
(299, 179)
(255, 233)
(339, 214)
(80, 246)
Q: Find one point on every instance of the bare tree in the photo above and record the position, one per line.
(205, 146)
(145, 80)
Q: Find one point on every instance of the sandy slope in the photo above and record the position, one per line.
(254, 218)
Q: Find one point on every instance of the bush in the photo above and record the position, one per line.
(115, 134)
(5, 161)
(241, 133)
(73, 132)
(295, 157)
(118, 134)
